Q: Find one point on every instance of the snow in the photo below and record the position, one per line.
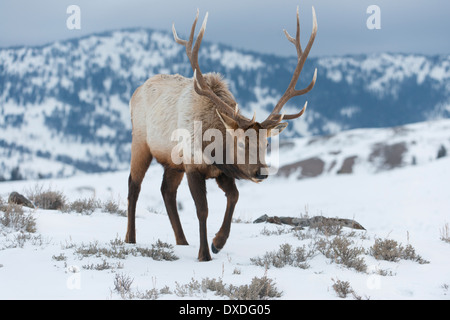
(105, 132)
(421, 140)
(349, 111)
(334, 75)
(385, 71)
(234, 59)
(410, 205)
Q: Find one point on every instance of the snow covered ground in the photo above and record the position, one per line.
(410, 205)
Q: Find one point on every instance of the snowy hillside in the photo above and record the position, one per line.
(362, 151)
(78, 256)
(64, 106)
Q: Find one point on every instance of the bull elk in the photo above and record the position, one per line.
(165, 103)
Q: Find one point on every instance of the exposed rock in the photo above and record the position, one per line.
(311, 167)
(310, 222)
(442, 152)
(389, 155)
(347, 165)
(17, 198)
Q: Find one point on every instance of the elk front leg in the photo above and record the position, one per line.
(228, 185)
(197, 186)
(171, 181)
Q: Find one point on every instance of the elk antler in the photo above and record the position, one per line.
(291, 92)
(200, 85)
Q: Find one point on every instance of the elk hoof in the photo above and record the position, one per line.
(214, 249)
(206, 257)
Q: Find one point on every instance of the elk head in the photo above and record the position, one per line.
(247, 135)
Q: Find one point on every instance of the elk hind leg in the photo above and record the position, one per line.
(140, 161)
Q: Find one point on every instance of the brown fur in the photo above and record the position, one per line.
(145, 148)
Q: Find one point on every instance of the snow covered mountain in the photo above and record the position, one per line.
(64, 106)
(365, 151)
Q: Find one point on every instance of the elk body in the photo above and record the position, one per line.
(165, 103)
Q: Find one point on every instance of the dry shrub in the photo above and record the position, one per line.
(340, 250)
(259, 289)
(87, 206)
(83, 206)
(46, 198)
(105, 265)
(14, 217)
(2, 205)
(327, 227)
(113, 207)
(122, 283)
(342, 288)
(285, 255)
(119, 250)
(445, 233)
(391, 250)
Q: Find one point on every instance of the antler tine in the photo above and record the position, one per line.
(296, 40)
(191, 36)
(297, 115)
(302, 56)
(196, 49)
(187, 44)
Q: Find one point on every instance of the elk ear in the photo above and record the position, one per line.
(277, 129)
(228, 122)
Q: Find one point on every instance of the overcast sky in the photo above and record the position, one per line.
(408, 26)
